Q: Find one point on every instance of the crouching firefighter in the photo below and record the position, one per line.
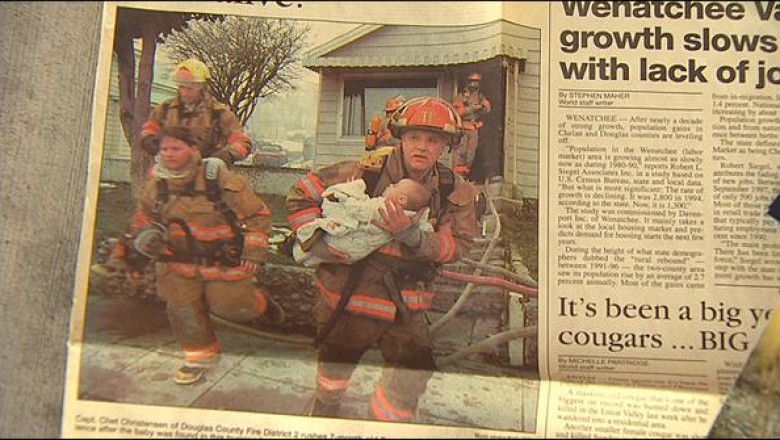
(381, 298)
(207, 232)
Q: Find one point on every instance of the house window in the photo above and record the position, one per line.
(364, 99)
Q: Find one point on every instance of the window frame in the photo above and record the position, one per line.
(368, 81)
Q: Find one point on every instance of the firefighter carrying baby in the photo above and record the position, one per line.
(381, 298)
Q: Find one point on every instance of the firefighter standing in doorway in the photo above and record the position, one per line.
(471, 105)
(207, 233)
(219, 131)
(381, 298)
(379, 134)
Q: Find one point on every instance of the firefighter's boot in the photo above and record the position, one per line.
(317, 408)
(187, 374)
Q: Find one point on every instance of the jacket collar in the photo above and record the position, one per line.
(206, 101)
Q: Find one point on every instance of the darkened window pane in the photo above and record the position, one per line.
(364, 99)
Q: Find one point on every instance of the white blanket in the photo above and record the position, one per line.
(347, 223)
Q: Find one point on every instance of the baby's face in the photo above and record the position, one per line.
(396, 193)
(408, 193)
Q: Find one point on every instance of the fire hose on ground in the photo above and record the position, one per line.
(524, 285)
(490, 281)
(492, 341)
(525, 280)
(482, 264)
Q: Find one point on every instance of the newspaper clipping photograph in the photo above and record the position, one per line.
(425, 219)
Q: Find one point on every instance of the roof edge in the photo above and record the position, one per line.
(342, 40)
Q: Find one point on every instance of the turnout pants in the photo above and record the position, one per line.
(405, 346)
(189, 301)
(467, 149)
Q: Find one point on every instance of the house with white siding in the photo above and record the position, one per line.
(116, 150)
(360, 69)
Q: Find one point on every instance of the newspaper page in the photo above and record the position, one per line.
(663, 270)
(623, 264)
(663, 161)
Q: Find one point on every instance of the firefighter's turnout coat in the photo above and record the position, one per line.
(472, 106)
(218, 129)
(379, 134)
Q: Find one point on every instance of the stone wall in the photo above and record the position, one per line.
(269, 180)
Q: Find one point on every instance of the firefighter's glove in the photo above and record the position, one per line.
(250, 266)
(213, 167)
(151, 145)
(150, 241)
(224, 154)
(398, 224)
(133, 260)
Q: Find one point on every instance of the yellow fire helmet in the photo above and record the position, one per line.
(191, 70)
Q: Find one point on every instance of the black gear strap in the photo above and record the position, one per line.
(230, 252)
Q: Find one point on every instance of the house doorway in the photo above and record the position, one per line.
(489, 158)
